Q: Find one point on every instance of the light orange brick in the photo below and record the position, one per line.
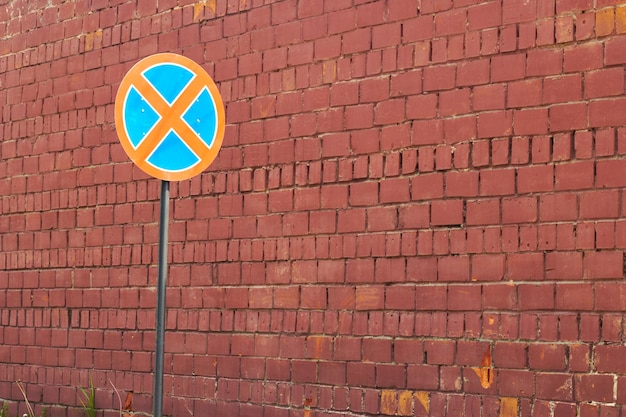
(508, 407)
(388, 402)
(405, 403)
(605, 22)
(620, 19)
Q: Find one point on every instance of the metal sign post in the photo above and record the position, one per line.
(160, 308)
(170, 120)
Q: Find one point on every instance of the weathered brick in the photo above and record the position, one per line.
(594, 388)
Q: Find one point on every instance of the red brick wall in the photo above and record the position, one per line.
(418, 209)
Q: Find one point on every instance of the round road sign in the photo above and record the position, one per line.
(169, 117)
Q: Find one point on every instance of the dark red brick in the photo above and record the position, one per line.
(594, 388)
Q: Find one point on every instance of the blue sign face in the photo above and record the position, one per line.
(169, 117)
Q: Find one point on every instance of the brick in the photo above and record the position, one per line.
(574, 176)
(557, 207)
(460, 129)
(376, 350)
(604, 22)
(609, 173)
(620, 19)
(427, 186)
(562, 89)
(423, 106)
(390, 270)
(564, 265)
(525, 93)
(397, 137)
(439, 78)
(525, 266)
(432, 52)
(565, 237)
(446, 212)
(448, 379)
(422, 269)
(422, 377)
(370, 14)
(519, 210)
(327, 48)
(363, 194)
(611, 327)
(454, 102)
(509, 354)
(508, 67)
(536, 296)
(564, 29)
(427, 132)
(400, 298)
(374, 90)
(527, 37)
(388, 112)
(488, 267)
(453, 268)
(582, 58)
(495, 124)
(407, 83)
(513, 12)
(574, 297)
(562, 144)
(599, 204)
(484, 16)
(497, 182)
(386, 35)
(609, 358)
(419, 28)
(473, 72)
(535, 178)
(459, 184)
(548, 357)
(603, 264)
(370, 298)
(359, 373)
(450, 22)
(489, 97)
(544, 62)
(605, 142)
(439, 352)
(515, 383)
(563, 6)
(608, 112)
(610, 296)
(594, 388)
(415, 216)
(555, 386)
(585, 26)
(568, 116)
(356, 41)
(394, 190)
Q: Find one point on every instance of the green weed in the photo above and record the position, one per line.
(88, 402)
(4, 411)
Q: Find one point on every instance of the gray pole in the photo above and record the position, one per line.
(160, 308)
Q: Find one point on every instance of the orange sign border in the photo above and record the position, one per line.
(130, 78)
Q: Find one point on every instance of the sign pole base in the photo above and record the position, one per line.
(160, 308)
